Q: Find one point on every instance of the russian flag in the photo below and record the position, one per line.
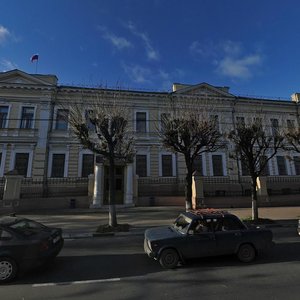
(34, 57)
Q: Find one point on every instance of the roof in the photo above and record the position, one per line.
(7, 220)
(208, 212)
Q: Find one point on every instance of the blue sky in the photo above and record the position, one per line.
(252, 46)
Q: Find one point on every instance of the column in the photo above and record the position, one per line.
(197, 191)
(128, 193)
(97, 199)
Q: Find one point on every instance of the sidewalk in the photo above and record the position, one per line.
(80, 223)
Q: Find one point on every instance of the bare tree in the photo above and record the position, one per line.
(292, 136)
(254, 147)
(102, 127)
(189, 130)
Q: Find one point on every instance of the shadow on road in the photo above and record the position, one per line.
(93, 267)
(66, 269)
(281, 252)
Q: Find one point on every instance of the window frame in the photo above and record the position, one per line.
(284, 164)
(80, 166)
(7, 117)
(146, 121)
(55, 125)
(22, 150)
(50, 162)
(223, 164)
(161, 154)
(33, 116)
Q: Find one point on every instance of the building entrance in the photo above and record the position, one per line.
(119, 183)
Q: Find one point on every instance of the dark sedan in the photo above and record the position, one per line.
(25, 244)
(205, 232)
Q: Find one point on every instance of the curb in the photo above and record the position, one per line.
(85, 235)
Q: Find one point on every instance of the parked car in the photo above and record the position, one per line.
(25, 244)
(205, 232)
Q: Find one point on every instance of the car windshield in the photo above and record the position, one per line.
(27, 227)
(182, 223)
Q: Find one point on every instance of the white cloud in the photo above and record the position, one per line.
(118, 42)
(203, 50)
(137, 73)
(231, 48)
(4, 34)
(238, 67)
(151, 53)
(229, 58)
(7, 65)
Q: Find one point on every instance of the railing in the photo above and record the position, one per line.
(54, 187)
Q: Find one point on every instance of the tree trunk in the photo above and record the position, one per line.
(112, 208)
(254, 199)
(188, 183)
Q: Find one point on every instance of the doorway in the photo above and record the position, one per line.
(119, 183)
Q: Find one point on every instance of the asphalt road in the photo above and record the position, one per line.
(116, 268)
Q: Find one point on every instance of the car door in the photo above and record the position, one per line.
(228, 234)
(201, 239)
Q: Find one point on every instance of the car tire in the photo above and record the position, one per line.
(169, 258)
(8, 269)
(246, 253)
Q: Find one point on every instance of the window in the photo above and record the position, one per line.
(297, 164)
(217, 163)
(87, 165)
(240, 121)
(274, 126)
(258, 121)
(141, 122)
(197, 165)
(3, 116)
(163, 119)
(245, 170)
(5, 235)
(215, 120)
(265, 171)
(167, 165)
(62, 119)
(141, 165)
(89, 124)
(21, 163)
(281, 165)
(58, 165)
(27, 117)
(290, 124)
(229, 224)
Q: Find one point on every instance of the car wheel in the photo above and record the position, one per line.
(246, 253)
(8, 269)
(169, 258)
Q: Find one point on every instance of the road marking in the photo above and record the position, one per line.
(76, 282)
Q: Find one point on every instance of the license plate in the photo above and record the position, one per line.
(56, 239)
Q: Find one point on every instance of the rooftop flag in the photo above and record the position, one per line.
(34, 57)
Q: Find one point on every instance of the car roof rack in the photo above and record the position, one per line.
(208, 211)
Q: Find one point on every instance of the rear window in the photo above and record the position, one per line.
(27, 227)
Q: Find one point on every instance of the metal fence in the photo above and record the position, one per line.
(54, 187)
(217, 186)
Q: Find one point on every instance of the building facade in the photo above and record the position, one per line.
(35, 138)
